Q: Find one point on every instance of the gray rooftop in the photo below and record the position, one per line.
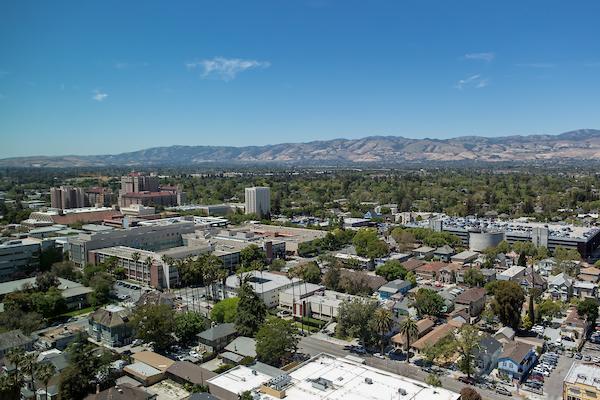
(218, 331)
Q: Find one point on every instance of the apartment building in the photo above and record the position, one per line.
(258, 200)
(582, 382)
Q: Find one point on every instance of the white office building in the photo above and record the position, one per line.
(258, 200)
(266, 285)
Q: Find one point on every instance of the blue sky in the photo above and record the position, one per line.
(113, 76)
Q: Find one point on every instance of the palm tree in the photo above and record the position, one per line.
(44, 372)
(409, 328)
(382, 322)
(135, 257)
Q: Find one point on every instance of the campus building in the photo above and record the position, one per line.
(21, 255)
(258, 200)
(481, 233)
(155, 237)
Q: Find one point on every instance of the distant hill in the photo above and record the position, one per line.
(579, 145)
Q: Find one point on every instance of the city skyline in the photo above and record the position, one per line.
(110, 78)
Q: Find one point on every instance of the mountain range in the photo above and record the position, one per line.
(578, 145)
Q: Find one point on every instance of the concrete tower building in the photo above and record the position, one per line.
(258, 200)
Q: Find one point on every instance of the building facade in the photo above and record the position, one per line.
(258, 200)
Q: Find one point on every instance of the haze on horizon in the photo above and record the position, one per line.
(110, 77)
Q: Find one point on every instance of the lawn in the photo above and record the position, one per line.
(75, 313)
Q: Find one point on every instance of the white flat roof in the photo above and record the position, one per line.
(239, 379)
(262, 282)
(350, 383)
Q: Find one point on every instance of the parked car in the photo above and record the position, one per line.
(503, 391)
(378, 355)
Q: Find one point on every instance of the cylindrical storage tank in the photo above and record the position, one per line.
(479, 241)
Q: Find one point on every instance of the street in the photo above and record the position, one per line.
(313, 346)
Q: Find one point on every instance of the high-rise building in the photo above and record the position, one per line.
(258, 200)
(66, 197)
(136, 182)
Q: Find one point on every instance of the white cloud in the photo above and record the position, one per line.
(99, 96)
(537, 65)
(225, 68)
(474, 81)
(485, 56)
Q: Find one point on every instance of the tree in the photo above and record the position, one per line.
(331, 278)
(77, 380)
(367, 244)
(549, 309)
(428, 302)
(382, 323)
(188, 324)
(225, 310)
(309, 272)
(507, 303)
(442, 350)
(44, 372)
(354, 318)
(45, 281)
(433, 380)
(154, 323)
(252, 253)
(467, 343)
(526, 323)
(468, 393)
(411, 277)
(247, 395)
(589, 309)
(410, 330)
(277, 265)
(522, 261)
(391, 270)
(474, 278)
(251, 311)
(276, 340)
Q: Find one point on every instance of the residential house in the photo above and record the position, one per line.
(464, 257)
(560, 287)
(122, 392)
(423, 252)
(516, 360)
(430, 339)
(585, 290)
(474, 301)
(505, 334)
(590, 274)
(444, 253)
(109, 326)
(430, 271)
(148, 367)
(185, 372)
(391, 288)
(412, 264)
(533, 280)
(14, 339)
(217, 337)
(447, 273)
(514, 273)
(545, 266)
(489, 274)
(242, 346)
(424, 326)
(487, 355)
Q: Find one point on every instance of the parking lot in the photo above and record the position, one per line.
(126, 291)
(553, 384)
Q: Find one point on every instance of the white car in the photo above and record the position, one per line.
(194, 354)
(378, 355)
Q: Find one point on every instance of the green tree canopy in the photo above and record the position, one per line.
(225, 310)
(154, 323)
(507, 303)
(428, 302)
(188, 325)
(391, 270)
(474, 278)
(354, 318)
(251, 311)
(276, 340)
